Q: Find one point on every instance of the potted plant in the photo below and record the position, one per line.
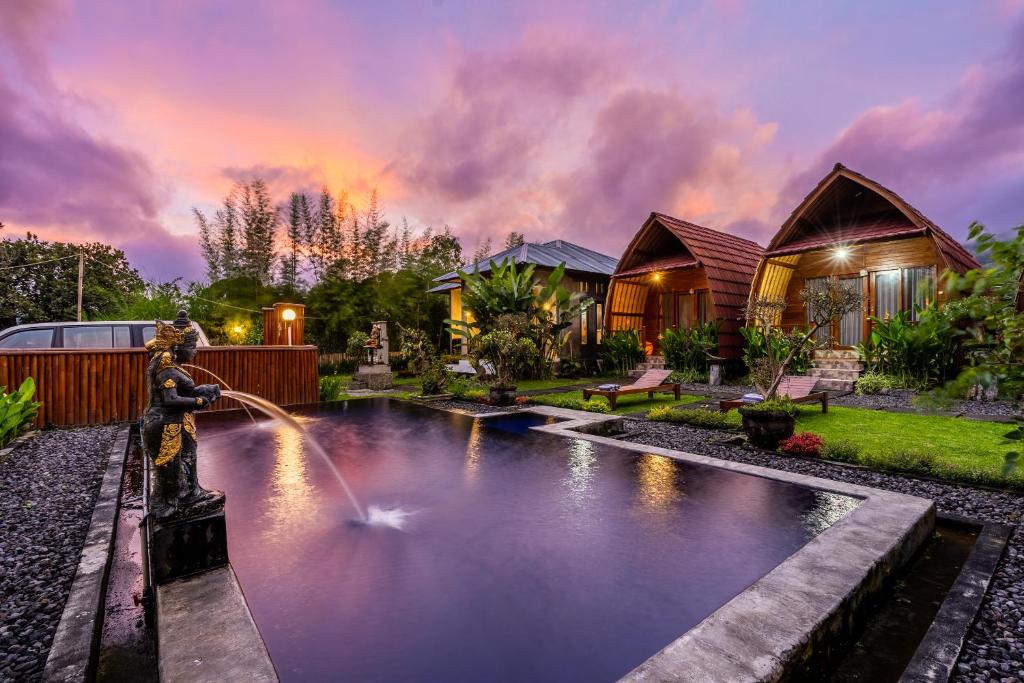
(773, 419)
(507, 352)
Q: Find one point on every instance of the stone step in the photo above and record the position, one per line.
(834, 385)
(835, 373)
(841, 364)
(837, 354)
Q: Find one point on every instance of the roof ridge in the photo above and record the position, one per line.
(716, 231)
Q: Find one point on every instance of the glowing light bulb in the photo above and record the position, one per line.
(288, 314)
(842, 253)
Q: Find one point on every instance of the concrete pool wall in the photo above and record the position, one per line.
(794, 619)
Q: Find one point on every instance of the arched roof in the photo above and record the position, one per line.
(878, 214)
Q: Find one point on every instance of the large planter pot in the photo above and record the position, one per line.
(503, 396)
(766, 428)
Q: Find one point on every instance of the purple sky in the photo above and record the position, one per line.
(570, 120)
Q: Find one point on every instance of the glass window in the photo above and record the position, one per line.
(148, 332)
(887, 291)
(122, 337)
(29, 339)
(685, 303)
(703, 307)
(823, 335)
(89, 337)
(918, 289)
(600, 324)
(583, 328)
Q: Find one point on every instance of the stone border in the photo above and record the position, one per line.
(789, 619)
(206, 633)
(73, 652)
(939, 650)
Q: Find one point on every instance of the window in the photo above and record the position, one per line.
(148, 332)
(704, 307)
(122, 337)
(583, 328)
(887, 293)
(599, 338)
(918, 289)
(685, 302)
(29, 339)
(89, 337)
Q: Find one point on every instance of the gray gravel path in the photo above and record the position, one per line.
(995, 645)
(47, 490)
(903, 400)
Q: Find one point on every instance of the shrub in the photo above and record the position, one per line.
(507, 349)
(805, 443)
(872, 383)
(435, 378)
(467, 389)
(593, 405)
(356, 347)
(623, 350)
(331, 387)
(341, 367)
(780, 404)
(913, 462)
(689, 350)
(920, 353)
(841, 451)
(705, 419)
(17, 411)
(778, 343)
(688, 377)
(416, 350)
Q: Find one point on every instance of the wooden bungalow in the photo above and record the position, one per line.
(852, 228)
(674, 274)
(586, 272)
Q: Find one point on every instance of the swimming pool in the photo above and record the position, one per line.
(529, 556)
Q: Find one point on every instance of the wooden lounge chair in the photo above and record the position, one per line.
(648, 383)
(799, 389)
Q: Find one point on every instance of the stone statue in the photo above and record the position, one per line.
(169, 427)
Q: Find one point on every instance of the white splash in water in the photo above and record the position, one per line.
(393, 517)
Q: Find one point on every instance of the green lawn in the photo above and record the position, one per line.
(968, 450)
(631, 403)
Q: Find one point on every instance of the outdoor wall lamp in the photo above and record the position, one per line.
(288, 314)
(842, 253)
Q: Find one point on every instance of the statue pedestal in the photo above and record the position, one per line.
(184, 546)
(374, 377)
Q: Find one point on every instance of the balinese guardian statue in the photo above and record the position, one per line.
(169, 427)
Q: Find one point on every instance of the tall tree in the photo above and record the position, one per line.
(259, 225)
(294, 236)
(208, 245)
(227, 229)
(483, 251)
(514, 239)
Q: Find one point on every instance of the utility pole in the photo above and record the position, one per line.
(81, 274)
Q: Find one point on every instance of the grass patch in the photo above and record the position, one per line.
(705, 419)
(940, 446)
(631, 403)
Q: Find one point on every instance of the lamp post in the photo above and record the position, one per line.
(288, 315)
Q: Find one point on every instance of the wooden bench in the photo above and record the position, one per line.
(799, 389)
(648, 383)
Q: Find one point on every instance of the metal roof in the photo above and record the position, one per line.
(548, 255)
(444, 287)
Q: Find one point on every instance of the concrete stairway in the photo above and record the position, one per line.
(652, 363)
(836, 369)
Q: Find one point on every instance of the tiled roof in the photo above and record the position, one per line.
(550, 255)
(669, 263)
(956, 256)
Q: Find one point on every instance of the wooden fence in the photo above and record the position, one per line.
(82, 386)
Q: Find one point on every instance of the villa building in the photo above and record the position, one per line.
(852, 228)
(674, 274)
(586, 272)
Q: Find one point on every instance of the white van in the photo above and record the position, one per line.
(101, 334)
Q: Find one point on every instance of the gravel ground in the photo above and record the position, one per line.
(47, 490)
(903, 400)
(995, 646)
(471, 406)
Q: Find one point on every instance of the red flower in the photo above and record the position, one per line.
(805, 443)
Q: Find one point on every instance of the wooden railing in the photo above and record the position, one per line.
(98, 386)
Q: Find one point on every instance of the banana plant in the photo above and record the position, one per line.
(17, 410)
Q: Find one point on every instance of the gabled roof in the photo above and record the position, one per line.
(870, 228)
(549, 255)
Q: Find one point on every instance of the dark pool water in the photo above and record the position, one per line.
(530, 557)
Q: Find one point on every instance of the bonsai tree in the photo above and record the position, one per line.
(507, 350)
(824, 302)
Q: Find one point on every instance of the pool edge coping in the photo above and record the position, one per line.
(774, 626)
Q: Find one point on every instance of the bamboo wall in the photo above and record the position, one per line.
(82, 386)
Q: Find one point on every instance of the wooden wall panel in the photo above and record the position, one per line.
(80, 386)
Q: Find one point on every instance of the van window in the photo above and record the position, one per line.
(29, 339)
(88, 337)
(122, 337)
(148, 332)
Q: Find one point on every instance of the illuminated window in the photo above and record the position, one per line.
(583, 328)
(599, 337)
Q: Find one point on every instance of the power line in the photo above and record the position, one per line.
(39, 263)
